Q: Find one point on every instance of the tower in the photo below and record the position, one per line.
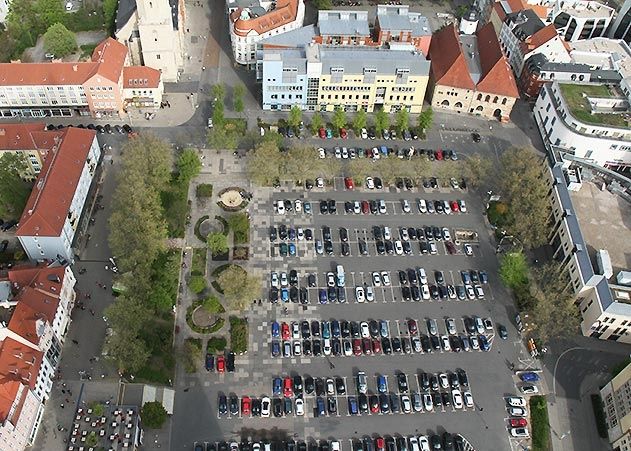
(469, 22)
(160, 37)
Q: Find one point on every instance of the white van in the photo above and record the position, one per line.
(280, 207)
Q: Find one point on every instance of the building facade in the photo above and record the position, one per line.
(581, 19)
(396, 25)
(470, 74)
(621, 27)
(251, 24)
(616, 397)
(582, 129)
(64, 89)
(51, 217)
(324, 78)
(31, 141)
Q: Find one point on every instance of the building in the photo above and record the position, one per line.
(343, 28)
(500, 9)
(323, 78)
(31, 140)
(153, 31)
(616, 397)
(580, 19)
(621, 27)
(590, 121)
(142, 87)
(94, 88)
(37, 303)
(523, 34)
(396, 25)
(470, 74)
(4, 10)
(52, 214)
(251, 23)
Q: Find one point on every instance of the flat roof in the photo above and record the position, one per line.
(343, 23)
(605, 219)
(586, 9)
(576, 98)
(399, 18)
(294, 38)
(612, 54)
(384, 61)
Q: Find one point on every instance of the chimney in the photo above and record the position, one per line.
(75, 67)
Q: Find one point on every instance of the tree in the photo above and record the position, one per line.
(14, 191)
(149, 158)
(316, 122)
(382, 120)
(237, 98)
(426, 118)
(302, 163)
(360, 168)
(153, 414)
(514, 269)
(322, 4)
(359, 121)
(477, 170)
(295, 117)
(109, 11)
(339, 119)
(391, 168)
(59, 40)
(49, 12)
(188, 165)
(264, 164)
(402, 119)
(218, 138)
(127, 350)
(218, 92)
(218, 116)
(197, 284)
(523, 185)
(238, 287)
(217, 243)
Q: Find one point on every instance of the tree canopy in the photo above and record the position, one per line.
(359, 121)
(188, 165)
(339, 119)
(153, 414)
(402, 119)
(426, 118)
(14, 191)
(514, 269)
(295, 116)
(382, 120)
(239, 287)
(316, 122)
(59, 40)
(217, 243)
(264, 163)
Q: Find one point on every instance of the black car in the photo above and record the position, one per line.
(343, 234)
(288, 406)
(306, 347)
(332, 207)
(426, 344)
(308, 184)
(378, 183)
(402, 382)
(412, 233)
(297, 380)
(346, 249)
(326, 233)
(305, 330)
(446, 399)
(362, 400)
(406, 294)
(407, 247)
(256, 407)
(324, 207)
(317, 347)
(462, 377)
(412, 276)
(282, 232)
(395, 406)
(386, 346)
(476, 137)
(389, 247)
(331, 405)
(222, 405)
(273, 295)
(340, 387)
(396, 344)
(311, 280)
(277, 407)
(402, 444)
(403, 278)
(336, 346)
(348, 207)
(355, 332)
(408, 183)
(308, 234)
(438, 399)
(399, 183)
(381, 248)
(384, 404)
(234, 405)
(304, 296)
(424, 381)
(319, 386)
(309, 385)
(328, 247)
(293, 294)
(371, 133)
(315, 328)
(374, 209)
(332, 294)
(373, 326)
(230, 362)
(363, 247)
(272, 233)
(435, 341)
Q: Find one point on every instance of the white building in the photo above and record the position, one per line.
(621, 28)
(251, 24)
(582, 129)
(153, 30)
(48, 225)
(580, 19)
(4, 10)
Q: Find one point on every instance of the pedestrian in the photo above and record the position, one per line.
(91, 312)
(67, 399)
(62, 405)
(75, 342)
(63, 391)
(105, 287)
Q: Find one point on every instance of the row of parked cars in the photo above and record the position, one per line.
(107, 128)
(427, 442)
(221, 363)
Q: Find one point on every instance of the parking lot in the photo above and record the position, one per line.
(483, 421)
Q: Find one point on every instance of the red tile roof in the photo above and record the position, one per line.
(448, 63)
(449, 67)
(497, 75)
(42, 277)
(8, 393)
(539, 38)
(19, 362)
(47, 207)
(519, 5)
(284, 13)
(19, 136)
(108, 59)
(140, 77)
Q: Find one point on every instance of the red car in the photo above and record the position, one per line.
(357, 346)
(374, 404)
(288, 388)
(349, 183)
(412, 326)
(380, 444)
(518, 422)
(343, 133)
(367, 345)
(454, 206)
(322, 133)
(376, 346)
(365, 207)
(246, 406)
(286, 334)
(439, 154)
(221, 364)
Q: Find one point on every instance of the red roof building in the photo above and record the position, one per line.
(469, 74)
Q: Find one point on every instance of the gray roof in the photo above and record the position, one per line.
(398, 18)
(126, 9)
(293, 57)
(298, 37)
(606, 76)
(343, 23)
(526, 23)
(385, 61)
(566, 67)
(469, 43)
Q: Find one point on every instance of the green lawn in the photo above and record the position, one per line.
(238, 334)
(574, 96)
(199, 261)
(176, 207)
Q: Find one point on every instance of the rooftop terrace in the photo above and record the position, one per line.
(576, 98)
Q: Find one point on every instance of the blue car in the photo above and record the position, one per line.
(275, 329)
(307, 207)
(292, 233)
(322, 294)
(352, 405)
(329, 133)
(484, 343)
(326, 330)
(292, 249)
(320, 412)
(382, 385)
(210, 362)
(284, 294)
(529, 377)
(275, 348)
(277, 386)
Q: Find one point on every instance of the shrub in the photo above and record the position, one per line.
(197, 284)
(192, 354)
(153, 415)
(539, 423)
(498, 214)
(238, 334)
(212, 305)
(216, 344)
(204, 190)
(199, 223)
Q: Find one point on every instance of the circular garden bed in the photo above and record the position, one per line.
(231, 199)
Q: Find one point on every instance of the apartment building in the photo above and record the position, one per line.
(395, 25)
(50, 219)
(621, 27)
(343, 28)
(470, 74)
(580, 19)
(142, 87)
(324, 78)
(31, 140)
(500, 9)
(251, 24)
(616, 397)
(63, 89)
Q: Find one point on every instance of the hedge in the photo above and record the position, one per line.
(212, 305)
(197, 224)
(204, 190)
(216, 344)
(539, 423)
(238, 334)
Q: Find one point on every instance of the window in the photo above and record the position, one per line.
(157, 57)
(504, 101)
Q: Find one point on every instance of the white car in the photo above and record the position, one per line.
(280, 207)
(468, 398)
(425, 292)
(295, 330)
(359, 294)
(335, 445)
(298, 205)
(456, 397)
(398, 247)
(470, 291)
(444, 341)
(376, 279)
(364, 133)
(405, 205)
(330, 387)
(451, 326)
(463, 206)
(365, 331)
(479, 325)
(283, 279)
(320, 182)
(516, 401)
(274, 282)
(297, 348)
(446, 234)
(357, 207)
(326, 346)
(387, 233)
(479, 292)
(475, 343)
(322, 152)
(370, 183)
(447, 207)
(517, 411)
(300, 407)
(529, 389)
(266, 405)
(330, 279)
(519, 432)
(300, 233)
(427, 402)
(443, 380)
(344, 153)
(347, 348)
(422, 206)
(468, 249)
(406, 406)
(433, 250)
(422, 275)
(375, 153)
(382, 207)
(385, 277)
(403, 234)
(423, 443)
(370, 294)
(338, 152)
